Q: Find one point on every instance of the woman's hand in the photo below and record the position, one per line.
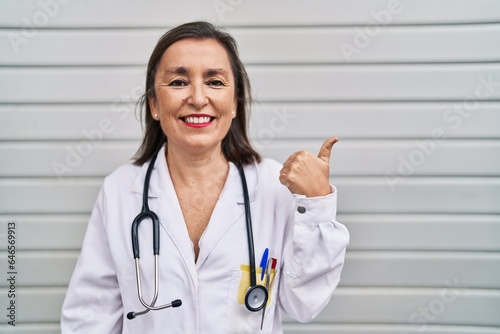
(305, 174)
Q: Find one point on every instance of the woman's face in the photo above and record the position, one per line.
(195, 95)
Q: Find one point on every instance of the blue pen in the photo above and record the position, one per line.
(263, 263)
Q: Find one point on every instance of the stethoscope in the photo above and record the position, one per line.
(256, 295)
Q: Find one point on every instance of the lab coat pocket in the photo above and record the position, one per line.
(239, 319)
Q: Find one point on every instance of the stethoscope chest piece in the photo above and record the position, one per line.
(256, 298)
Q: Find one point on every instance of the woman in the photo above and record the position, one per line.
(196, 99)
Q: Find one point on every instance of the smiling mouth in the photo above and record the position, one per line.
(197, 119)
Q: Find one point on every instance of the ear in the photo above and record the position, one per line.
(235, 108)
(152, 106)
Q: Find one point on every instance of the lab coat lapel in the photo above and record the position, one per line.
(228, 210)
(164, 201)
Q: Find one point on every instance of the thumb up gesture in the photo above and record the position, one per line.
(303, 173)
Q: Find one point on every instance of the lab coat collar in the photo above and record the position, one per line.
(160, 174)
(154, 184)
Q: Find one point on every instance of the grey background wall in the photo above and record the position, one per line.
(412, 88)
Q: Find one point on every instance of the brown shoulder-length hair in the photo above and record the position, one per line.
(235, 146)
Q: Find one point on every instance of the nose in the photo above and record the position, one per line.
(198, 95)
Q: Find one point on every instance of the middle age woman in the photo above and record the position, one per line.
(196, 104)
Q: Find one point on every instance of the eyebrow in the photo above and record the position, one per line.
(176, 70)
(181, 70)
(215, 71)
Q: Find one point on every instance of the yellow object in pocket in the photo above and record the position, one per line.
(245, 282)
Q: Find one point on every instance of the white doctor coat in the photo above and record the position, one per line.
(309, 248)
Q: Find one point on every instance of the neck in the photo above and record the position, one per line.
(196, 170)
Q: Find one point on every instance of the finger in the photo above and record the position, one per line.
(326, 149)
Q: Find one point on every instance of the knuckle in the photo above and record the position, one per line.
(292, 177)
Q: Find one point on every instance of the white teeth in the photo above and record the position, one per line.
(197, 120)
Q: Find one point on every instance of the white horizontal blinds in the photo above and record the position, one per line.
(468, 84)
(436, 43)
(385, 268)
(360, 195)
(461, 154)
(115, 13)
(411, 87)
(26, 122)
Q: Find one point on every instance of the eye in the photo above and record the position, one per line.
(177, 83)
(216, 83)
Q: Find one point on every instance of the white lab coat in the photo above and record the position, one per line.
(309, 248)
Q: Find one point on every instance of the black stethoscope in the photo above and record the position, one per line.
(256, 296)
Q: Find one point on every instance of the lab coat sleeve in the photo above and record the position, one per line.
(93, 303)
(313, 256)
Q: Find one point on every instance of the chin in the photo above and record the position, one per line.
(202, 145)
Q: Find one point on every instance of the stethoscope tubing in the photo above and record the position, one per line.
(248, 221)
(254, 291)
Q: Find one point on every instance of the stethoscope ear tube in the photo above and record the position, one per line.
(174, 303)
(146, 213)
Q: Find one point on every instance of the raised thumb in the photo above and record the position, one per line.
(326, 149)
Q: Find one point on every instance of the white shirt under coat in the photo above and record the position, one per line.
(309, 248)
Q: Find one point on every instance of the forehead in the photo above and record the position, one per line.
(196, 53)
